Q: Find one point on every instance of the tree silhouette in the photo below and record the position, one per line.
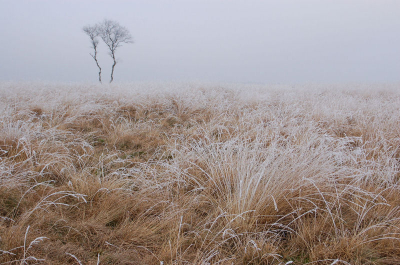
(93, 33)
(113, 35)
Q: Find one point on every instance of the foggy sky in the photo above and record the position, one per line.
(282, 41)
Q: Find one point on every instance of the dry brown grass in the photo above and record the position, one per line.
(192, 174)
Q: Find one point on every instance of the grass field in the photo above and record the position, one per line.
(199, 174)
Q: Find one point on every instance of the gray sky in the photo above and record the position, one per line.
(281, 41)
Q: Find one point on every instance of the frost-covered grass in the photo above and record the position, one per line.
(199, 174)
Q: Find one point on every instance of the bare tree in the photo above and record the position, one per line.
(93, 33)
(113, 35)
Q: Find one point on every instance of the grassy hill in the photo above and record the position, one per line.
(199, 174)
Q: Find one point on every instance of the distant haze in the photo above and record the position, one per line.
(282, 41)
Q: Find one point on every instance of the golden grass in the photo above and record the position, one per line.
(194, 174)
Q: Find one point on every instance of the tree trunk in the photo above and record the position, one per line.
(112, 68)
(97, 62)
(99, 70)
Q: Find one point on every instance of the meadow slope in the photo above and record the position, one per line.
(199, 174)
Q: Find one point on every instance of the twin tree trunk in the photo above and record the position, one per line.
(98, 65)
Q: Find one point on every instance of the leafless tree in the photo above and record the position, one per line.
(113, 35)
(93, 33)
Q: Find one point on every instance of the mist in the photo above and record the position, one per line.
(218, 41)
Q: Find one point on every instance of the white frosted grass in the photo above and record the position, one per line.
(276, 107)
(262, 145)
(262, 173)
